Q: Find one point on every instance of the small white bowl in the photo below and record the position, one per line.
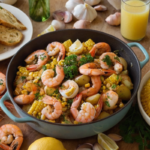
(143, 82)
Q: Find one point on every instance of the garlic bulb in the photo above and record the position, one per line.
(85, 12)
(58, 25)
(114, 19)
(71, 4)
(92, 2)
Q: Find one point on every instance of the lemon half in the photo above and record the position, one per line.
(46, 143)
(106, 142)
(48, 29)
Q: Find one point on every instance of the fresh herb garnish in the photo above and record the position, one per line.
(107, 60)
(114, 86)
(70, 101)
(23, 77)
(42, 56)
(71, 60)
(86, 59)
(44, 67)
(116, 52)
(117, 58)
(1, 82)
(107, 103)
(134, 129)
(117, 77)
(1, 7)
(37, 95)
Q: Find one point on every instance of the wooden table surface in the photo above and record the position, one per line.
(99, 23)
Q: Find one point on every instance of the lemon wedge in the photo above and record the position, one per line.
(106, 142)
(48, 29)
(76, 47)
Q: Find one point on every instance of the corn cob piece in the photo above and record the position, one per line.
(113, 79)
(36, 107)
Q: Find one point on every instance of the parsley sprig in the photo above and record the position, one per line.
(107, 60)
(86, 59)
(134, 129)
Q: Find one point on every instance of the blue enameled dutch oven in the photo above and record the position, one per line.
(81, 130)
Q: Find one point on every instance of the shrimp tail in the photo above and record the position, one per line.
(32, 67)
(99, 107)
(16, 144)
(108, 72)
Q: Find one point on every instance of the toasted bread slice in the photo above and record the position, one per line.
(9, 20)
(10, 37)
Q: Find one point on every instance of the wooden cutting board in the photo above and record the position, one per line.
(99, 23)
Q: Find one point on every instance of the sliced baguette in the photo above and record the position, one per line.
(10, 37)
(9, 20)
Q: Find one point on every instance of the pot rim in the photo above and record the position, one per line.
(96, 121)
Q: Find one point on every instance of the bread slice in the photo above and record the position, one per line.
(10, 37)
(9, 20)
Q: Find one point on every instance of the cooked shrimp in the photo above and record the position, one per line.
(69, 89)
(91, 70)
(48, 78)
(110, 99)
(113, 60)
(99, 107)
(2, 83)
(36, 60)
(100, 48)
(55, 48)
(94, 89)
(87, 112)
(53, 112)
(10, 134)
(27, 99)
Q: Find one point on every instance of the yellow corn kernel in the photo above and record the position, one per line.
(59, 100)
(63, 104)
(67, 44)
(64, 99)
(61, 62)
(35, 81)
(52, 121)
(89, 44)
(87, 85)
(31, 74)
(24, 92)
(43, 117)
(104, 87)
(64, 109)
(47, 66)
(52, 57)
(45, 105)
(75, 122)
(39, 113)
(42, 91)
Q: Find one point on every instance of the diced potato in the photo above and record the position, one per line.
(103, 115)
(49, 90)
(93, 99)
(82, 80)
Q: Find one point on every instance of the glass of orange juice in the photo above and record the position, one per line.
(134, 19)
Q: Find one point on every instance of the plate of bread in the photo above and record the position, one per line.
(15, 30)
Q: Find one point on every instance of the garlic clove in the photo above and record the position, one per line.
(92, 2)
(100, 8)
(58, 25)
(85, 12)
(114, 19)
(115, 3)
(115, 137)
(60, 15)
(71, 4)
(85, 146)
(81, 24)
(97, 146)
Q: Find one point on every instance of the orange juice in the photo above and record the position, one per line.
(134, 19)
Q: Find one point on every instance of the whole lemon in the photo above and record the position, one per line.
(46, 143)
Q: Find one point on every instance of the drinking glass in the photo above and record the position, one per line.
(39, 10)
(134, 19)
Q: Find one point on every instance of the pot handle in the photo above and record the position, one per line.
(9, 114)
(134, 44)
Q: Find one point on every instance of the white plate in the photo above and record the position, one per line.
(7, 51)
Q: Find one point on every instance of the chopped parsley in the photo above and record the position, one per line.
(44, 67)
(116, 52)
(42, 56)
(107, 60)
(107, 103)
(37, 95)
(23, 77)
(114, 86)
(86, 59)
(117, 58)
(1, 7)
(71, 60)
(117, 77)
(70, 101)
(1, 82)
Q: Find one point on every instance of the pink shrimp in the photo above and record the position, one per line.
(27, 99)
(48, 78)
(2, 83)
(91, 70)
(40, 56)
(113, 60)
(94, 89)
(7, 134)
(55, 48)
(99, 107)
(48, 111)
(100, 48)
(110, 99)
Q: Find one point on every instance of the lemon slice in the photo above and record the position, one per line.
(76, 47)
(106, 142)
(48, 29)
